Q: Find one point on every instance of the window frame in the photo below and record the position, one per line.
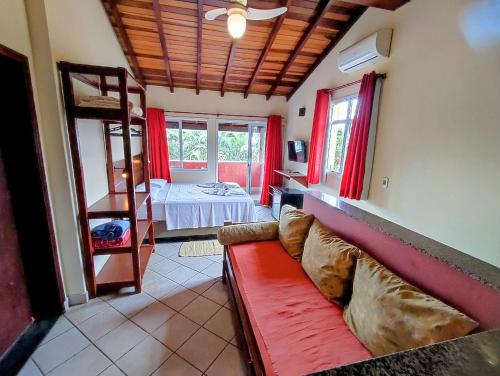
(347, 131)
(179, 120)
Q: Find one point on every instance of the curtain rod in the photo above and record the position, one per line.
(381, 75)
(216, 114)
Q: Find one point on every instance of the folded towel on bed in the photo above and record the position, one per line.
(219, 185)
(111, 230)
(116, 242)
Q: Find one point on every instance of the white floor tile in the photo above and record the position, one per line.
(154, 259)
(153, 316)
(60, 349)
(62, 325)
(197, 263)
(199, 283)
(144, 358)
(229, 363)
(175, 331)
(120, 340)
(217, 293)
(29, 369)
(181, 274)
(82, 312)
(158, 285)
(101, 323)
(200, 310)
(201, 349)
(176, 366)
(221, 324)
(164, 267)
(167, 249)
(216, 258)
(131, 304)
(214, 270)
(112, 371)
(179, 297)
(89, 362)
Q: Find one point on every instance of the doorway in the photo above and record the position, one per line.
(241, 153)
(31, 292)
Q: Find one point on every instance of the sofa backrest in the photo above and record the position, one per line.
(435, 277)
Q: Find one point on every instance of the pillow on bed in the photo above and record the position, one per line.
(293, 229)
(160, 183)
(154, 190)
(387, 314)
(329, 261)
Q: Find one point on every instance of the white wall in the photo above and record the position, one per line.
(186, 100)
(438, 133)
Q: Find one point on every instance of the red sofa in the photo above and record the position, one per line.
(289, 328)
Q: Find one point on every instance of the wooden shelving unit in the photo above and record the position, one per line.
(298, 177)
(127, 263)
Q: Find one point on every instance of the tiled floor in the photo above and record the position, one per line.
(179, 325)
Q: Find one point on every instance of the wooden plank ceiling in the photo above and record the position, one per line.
(169, 43)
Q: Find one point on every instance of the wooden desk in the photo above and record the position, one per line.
(297, 176)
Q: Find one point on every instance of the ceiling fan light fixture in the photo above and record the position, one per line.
(236, 22)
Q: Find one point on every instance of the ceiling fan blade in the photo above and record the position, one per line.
(264, 14)
(214, 13)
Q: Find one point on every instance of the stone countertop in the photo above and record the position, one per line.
(476, 354)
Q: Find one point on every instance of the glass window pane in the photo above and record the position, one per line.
(353, 108)
(339, 111)
(194, 145)
(233, 144)
(335, 147)
(173, 138)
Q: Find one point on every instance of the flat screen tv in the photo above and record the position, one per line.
(297, 151)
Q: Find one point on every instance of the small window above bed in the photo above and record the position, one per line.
(187, 143)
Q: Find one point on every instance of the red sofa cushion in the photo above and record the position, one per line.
(297, 330)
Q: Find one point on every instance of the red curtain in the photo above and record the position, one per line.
(351, 185)
(318, 134)
(158, 145)
(274, 157)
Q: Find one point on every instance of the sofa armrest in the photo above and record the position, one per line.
(248, 232)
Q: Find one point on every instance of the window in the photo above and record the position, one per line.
(341, 114)
(187, 143)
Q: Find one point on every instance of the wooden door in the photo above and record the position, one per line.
(15, 307)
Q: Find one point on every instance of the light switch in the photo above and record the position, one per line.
(385, 182)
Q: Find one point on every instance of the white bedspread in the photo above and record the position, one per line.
(186, 206)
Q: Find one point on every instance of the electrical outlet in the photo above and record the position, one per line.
(385, 182)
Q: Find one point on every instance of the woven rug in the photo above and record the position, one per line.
(201, 248)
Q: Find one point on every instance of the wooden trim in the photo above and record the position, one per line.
(199, 46)
(230, 58)
(163, 43)
(354, 18)
(322, 8)
(267, 48)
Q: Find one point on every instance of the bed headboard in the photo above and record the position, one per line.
(429, 265)
(138, 171)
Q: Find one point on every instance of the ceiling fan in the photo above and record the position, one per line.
(238, 14)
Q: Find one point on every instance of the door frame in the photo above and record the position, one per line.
(41, 268)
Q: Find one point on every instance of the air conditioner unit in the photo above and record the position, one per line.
(370, 50)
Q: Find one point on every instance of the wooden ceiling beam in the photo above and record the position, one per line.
(272, 36)
(199, 40)
(354, 18)
(321, 10)
(124, 37)
(382, 4)
(230, 58)
(163, 43)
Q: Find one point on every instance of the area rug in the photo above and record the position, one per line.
(201, 248)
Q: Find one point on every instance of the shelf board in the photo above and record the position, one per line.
(142, 230)
(115, 205)
(298, 177)
(118, 270)
(108, 114)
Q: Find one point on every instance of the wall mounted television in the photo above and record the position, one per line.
(297, 151)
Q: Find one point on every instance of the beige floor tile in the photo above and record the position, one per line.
(221, 324)
(179, 297)
(60, 349)
(158, 285)
(214, 270)
(197, 263)
(218, 293)
(30, 369)
(120, 340)
(131, 304)
(153, 316)
(202, 349)
(199, 283)
(200, 310)
(144, 358)
(164, 267)
(102, 323)
(89, 362)
(175, 331)
(82, 312)
(181, 274)
(176, 366)
(62, 325)
(229, 363)
(112, 371)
